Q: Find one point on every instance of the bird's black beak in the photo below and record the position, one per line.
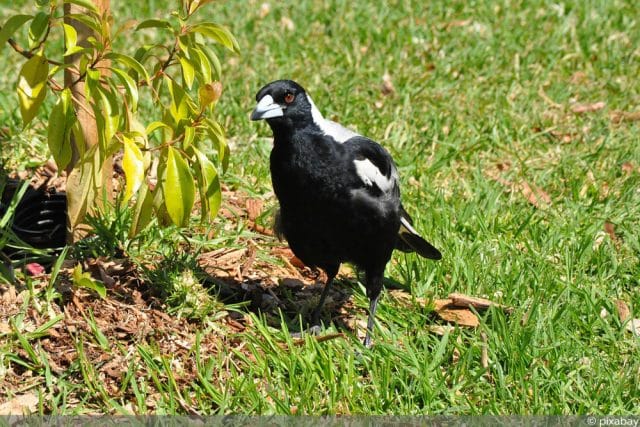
(267, 108)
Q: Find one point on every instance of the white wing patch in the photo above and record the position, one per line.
(370, 174)
(328, 127)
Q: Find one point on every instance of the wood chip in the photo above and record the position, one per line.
(460, 316)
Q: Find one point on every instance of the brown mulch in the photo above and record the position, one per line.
(257, 271)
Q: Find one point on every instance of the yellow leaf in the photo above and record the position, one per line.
(32, 85)
(133, 165)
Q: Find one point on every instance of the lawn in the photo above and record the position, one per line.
(516, 132)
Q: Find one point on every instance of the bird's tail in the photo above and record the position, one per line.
(410, 241)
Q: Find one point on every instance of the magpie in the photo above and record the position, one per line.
(338, 192)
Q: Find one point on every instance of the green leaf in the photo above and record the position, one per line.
(87, 4)
(153, 126)
(89, 20)
(32, 87)
(210, 193)
(216, 133)
(129, 62)
(130, 86)
(70, 39)
(84, 280)
(80, 182)
(38, 28)
(179, 107)
(203, 64)
(142, 210)
(11, 26)
(107, 116)
(61, 121)
(188, 70)
(133, 166)
(178, 188)
(92, 83)
(189, 136)
(217, 33)
(154, 23)
(214, 60)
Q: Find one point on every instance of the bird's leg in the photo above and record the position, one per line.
(331, 274)
(374, 288)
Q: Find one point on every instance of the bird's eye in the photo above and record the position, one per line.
(288, 98)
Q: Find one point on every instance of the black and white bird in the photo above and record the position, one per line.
(338, 191)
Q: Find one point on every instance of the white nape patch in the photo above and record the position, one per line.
(370, 174)
(328, 127)
(404, 222)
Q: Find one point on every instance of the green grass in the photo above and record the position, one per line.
(479, 85)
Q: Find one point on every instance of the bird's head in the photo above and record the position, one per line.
(283, 102)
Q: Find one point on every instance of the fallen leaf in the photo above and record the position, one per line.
(628, 168)
(564, 137)
(535, 195)
(609, 228)
(387, 85)
(578, 77)
(287, 23)
(587, 108)
(624, 116)
(458, 23)
(34, 269)
(623, 310)
(265, 8)
(20, 405)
